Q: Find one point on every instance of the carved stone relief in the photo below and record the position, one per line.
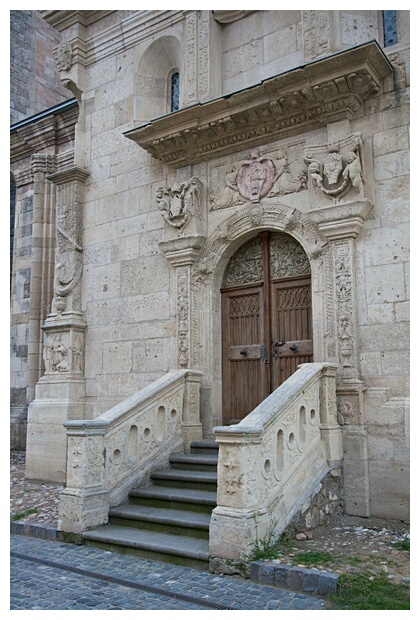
(289, 178)
(316, 33)
(287, 259)
(183, 317)
(344, 300)
(259, 177)
(64, 56)
(179, 203)
(336, 168)
(256, 176)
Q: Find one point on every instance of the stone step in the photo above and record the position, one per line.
(183, 478)
(181, 550)
(170, 521)
(204, 446)
(199, 461)
(178, 499)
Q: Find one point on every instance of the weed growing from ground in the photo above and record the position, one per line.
(362, 591)
(21, 515)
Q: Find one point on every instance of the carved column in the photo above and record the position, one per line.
(60, 393)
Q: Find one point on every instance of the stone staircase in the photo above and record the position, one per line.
(169, 519)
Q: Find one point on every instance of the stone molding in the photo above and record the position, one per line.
(227, 17)
(318, 93)
(44, 134)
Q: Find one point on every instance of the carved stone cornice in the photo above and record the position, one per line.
(227, 17)
(343, 220)
(64, 19)
(182, 251)
(323, 91)
(42, 134)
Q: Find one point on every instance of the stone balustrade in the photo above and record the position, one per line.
(109, 455)
(273, 461)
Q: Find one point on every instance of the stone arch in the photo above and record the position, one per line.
(212, 261)
(159, 62)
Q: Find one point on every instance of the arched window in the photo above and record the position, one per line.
(390, 27)
(175, 92)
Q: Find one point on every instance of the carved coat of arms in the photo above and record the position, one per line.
(338, 171)
(256, 176)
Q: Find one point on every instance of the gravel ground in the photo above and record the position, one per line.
(356, 544)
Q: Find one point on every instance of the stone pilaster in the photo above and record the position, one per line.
(42, 262)
(182, 254)
(60, 393)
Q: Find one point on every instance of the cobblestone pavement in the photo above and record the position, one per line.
(356, 544)
(50, 575)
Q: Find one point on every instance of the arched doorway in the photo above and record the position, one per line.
(266, 320)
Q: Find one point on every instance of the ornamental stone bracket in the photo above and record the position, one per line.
(320, 92)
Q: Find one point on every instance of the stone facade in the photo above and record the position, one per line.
(294, 122)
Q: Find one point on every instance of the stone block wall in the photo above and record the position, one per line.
(34, 78)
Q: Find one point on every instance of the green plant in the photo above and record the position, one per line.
(402, 544)
(313, 557)
(20, 515)
(263, 549)
(362, 591)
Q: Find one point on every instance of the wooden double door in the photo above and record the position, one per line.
(266, 320)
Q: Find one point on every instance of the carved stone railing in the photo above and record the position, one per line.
(107, 456)
(271, 463)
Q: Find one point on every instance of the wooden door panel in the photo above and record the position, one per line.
(242, 337)
(291, 327)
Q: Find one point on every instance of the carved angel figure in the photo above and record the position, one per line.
(230, 195)
(284, 181)
(353, 170)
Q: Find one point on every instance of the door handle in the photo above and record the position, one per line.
(293, 348)
(243, 352)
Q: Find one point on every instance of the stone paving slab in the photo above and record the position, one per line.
(89, 579)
